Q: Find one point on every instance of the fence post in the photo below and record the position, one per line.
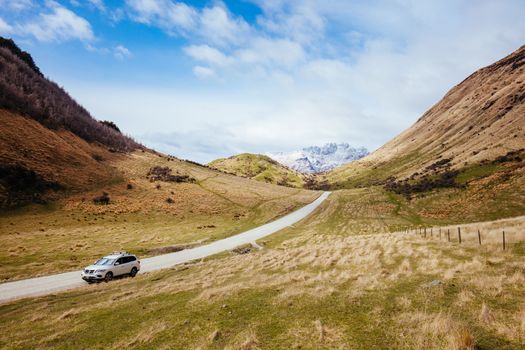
(448, 234)
(425, 232)
(479, 237)
(440, 233)
(431, 232)
(459, 234)
(503, 240)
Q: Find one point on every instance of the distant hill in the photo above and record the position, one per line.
(319, 159)
(477, 121)
(260, 167)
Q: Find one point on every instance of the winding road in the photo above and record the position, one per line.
(69, 280)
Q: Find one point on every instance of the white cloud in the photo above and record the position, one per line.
(174, 17)
(275, 52)
(60, 24)
(96, 49)
(216, 25)
(5, 28)
(203, 72)
(297, 20)
(99, 4)
(307, 72)
(121, 52)
(16, 5)
(205, 53)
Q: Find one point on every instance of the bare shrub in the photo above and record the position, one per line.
(129, 186)
(158, 173)
(102, 199)
(446, 179)
(98, 157)
(111, 125)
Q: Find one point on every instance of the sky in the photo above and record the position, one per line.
(205, 79)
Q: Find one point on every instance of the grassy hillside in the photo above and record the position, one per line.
(36, 163)
(478, 120)
(261, 168)
(143, 216)
(49, 144)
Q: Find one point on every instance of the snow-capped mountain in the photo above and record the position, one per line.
(318, 159)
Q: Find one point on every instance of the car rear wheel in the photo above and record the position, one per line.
(108, 277)
(133, 272)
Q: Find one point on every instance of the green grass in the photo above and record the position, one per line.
(167, 309)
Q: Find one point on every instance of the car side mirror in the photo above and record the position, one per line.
(117, 263)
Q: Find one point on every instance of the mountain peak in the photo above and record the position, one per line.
(316, 159)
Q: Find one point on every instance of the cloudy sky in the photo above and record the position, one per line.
(204, 79)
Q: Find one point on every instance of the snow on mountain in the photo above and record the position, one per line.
(318, 159)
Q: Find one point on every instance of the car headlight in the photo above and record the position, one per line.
(97, 271)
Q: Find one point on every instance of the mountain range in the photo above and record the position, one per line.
(317, 159)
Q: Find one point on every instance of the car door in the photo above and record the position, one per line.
(132, 261)
(120, 266)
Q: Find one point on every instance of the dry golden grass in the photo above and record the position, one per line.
(57, 156)
(75, 231)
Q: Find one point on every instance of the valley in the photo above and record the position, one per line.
(417, 245)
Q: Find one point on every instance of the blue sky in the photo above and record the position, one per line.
(206, 79)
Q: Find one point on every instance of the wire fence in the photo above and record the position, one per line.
(473, 234)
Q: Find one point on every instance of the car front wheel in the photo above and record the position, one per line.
(108, 277)
(133, 272)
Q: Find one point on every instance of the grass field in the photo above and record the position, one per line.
(309, 290)
(74, 232)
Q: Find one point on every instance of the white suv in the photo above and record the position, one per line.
(115, 264)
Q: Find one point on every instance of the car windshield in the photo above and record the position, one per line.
(105, 261)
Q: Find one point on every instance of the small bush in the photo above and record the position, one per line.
(442, 163)
(158, 173)
(425, 184)
(98, 157)
(312, 184)
(102, 199)
(129, 186)
(512, 156)
(170, 201)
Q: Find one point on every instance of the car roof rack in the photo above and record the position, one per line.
(119, 253)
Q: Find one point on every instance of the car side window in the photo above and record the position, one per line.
(131, 258)
(120, 261)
